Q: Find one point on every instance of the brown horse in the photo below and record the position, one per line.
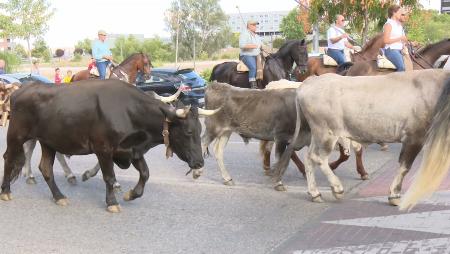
(423, 58)
(126, 70)
(369, 51)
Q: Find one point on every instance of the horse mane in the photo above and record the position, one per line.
(423, 50)
(371, 42)
(128, 59)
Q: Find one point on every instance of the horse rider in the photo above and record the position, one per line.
(250, 44)
(101, 53)
(394, 36)
(337, 40)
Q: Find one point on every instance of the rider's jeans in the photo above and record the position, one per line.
(101, 66)
(396, 57)
(250, 61)
(337, 54)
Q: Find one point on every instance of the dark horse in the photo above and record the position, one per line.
(277, 66)
(125, 71)
(423, 58)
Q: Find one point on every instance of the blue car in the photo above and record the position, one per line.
(28, 77)
(5, 78)
(165, 82)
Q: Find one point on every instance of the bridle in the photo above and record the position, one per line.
(414, 55)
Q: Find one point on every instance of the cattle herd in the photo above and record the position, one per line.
(119, 123)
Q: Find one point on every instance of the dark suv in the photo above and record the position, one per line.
(166, 82)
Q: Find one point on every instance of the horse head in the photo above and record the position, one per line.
(299, 52)
(145, 65)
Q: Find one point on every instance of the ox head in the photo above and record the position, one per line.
(300, 55)
(184, 135)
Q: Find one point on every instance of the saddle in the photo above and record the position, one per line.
(260, 61)
(384, 63)
(329, 61)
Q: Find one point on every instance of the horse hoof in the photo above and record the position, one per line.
(72, 180)
(62, 202)
(31, 180)
(229, 182)
(128, 196)
(280, 187)
(365, 177)
(317, 199)
(114, 209)
(6, 196)
(84, 177)
(394, 201)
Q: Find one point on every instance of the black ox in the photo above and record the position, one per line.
(115, 121)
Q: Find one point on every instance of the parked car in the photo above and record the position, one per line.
(165, 82)
(28, 77)
(8, 79)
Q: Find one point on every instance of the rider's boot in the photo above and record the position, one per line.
(253, 85)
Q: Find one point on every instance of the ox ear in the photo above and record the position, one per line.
(134, 139)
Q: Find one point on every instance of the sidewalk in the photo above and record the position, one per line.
(365, 223)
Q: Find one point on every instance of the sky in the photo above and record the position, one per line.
(76, 20)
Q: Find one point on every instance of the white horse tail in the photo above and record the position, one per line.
(436, 158)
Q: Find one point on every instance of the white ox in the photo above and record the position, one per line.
(398, 107)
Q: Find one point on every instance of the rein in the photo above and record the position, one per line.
(417, 55)
(123, 75)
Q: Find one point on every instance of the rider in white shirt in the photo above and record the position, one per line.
(337, 40)
(394, 36)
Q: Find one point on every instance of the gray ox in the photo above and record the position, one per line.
(261, 114)
(397, 107)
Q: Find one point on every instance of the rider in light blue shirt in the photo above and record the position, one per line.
(101, 53)
(250, 44)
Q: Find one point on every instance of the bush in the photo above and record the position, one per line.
(12, 61)
(206, 73)
(278, 42)
(76, 58)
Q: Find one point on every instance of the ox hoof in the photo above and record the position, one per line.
(196, 173)
(116, 187)
(229, 182)
(128, 196)
(31, 180)
(113, 209)
(365, 177)
(72, 180)
(317, 199)
(280, 187)
(84, 177)
(267, 171)
(394, 201)
(6, 196)
(62, 202)
(337, 194)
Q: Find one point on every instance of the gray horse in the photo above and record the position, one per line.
(398, 107)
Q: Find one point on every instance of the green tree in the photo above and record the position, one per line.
(12, 61)
(158, 50)
(41, 50)
(201, 20)
(124, 47)
(25, 19)
(426, 26)
(85, 45)
(20, 50)
(235, 40)
(290, 26)
(278, 42)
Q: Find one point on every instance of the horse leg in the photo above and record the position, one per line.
(298, 163)
(28, 148)
(67, 171)
(343, 156)
(265, 148)
(218, 153)
(46, 167)
(408, 153)
(358, 149)
(138, 190)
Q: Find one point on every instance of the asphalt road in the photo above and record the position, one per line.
(176, 214)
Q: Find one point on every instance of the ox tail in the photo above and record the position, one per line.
(283, 162)
(436, 159)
